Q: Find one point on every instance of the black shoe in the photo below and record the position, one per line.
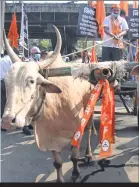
(3, 129)
(30, 127)
(27, 131)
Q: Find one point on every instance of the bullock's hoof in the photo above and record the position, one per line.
(75, 176)
(60, 180)
(27, 131)
(88, 158)
(30, 127)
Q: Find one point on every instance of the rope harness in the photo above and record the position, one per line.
(128, 43)
(40, 109)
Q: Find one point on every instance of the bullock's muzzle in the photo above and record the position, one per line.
(8, 122)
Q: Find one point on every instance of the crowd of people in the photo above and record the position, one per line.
(115, 25)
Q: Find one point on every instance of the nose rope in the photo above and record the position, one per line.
(38, 113)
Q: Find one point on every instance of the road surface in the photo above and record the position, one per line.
(21, 161)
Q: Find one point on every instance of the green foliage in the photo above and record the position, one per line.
(80, 44)
(44, 43)
(41, 43)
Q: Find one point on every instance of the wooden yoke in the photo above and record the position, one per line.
(94, 71)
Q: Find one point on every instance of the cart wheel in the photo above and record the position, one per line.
(134, 100)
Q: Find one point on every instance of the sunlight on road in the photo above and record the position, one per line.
(39, 177)
(27, 142)
(52, 177)
(133, 172)
(65, 168)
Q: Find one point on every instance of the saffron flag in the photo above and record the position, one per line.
(135, 4)
(100, 15)
(124, 6)
(13, 33)
(93, 56)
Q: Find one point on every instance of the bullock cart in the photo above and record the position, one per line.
(118, 70)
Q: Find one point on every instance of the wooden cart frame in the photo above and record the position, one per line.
(130, 88)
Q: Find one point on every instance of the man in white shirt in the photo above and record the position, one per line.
(35, 54)
(117, 27)
(5, 64)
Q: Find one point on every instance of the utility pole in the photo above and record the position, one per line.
(2, 15)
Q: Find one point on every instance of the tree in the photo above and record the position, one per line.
(41, 43)
(44, 43)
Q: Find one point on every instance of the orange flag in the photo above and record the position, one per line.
(135, 4)
(100, 15)
(124, 6)
(93, 56)
(13, 34)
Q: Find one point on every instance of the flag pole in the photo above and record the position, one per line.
(91, 5)
(23, 41)
(2, 10)
(21, 32)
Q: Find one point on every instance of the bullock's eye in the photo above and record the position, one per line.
(32, 81)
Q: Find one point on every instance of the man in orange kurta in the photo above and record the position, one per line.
(117, 27)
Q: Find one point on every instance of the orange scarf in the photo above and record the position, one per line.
(116, 29)
(107, 117)
(107, 120)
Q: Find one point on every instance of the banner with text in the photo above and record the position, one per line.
(87, 24)
(23, 41)
(133, 22)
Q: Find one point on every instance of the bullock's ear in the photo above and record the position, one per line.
(48, 85)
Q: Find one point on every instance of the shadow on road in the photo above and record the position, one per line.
(118, 162)
(22, 161)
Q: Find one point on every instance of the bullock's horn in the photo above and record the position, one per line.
(47, 62)
(9, 50)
